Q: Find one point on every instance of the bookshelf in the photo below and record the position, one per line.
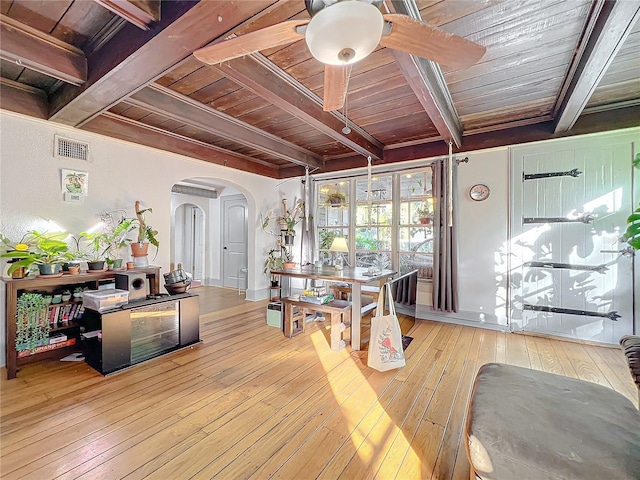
(16, 287)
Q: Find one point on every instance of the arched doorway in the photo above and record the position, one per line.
(210, 232)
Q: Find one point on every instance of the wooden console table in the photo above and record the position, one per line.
(355, 276)
(16, 287)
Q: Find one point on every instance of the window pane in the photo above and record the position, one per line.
(380, 188)
(423, 262)
(413, 239)
(326, 236)
(381, 214)
(379, 260)
(333, 193)
(375, 238)
(415, 184)
(332, 216)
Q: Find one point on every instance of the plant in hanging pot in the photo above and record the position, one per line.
(47, 251)
(336, 199)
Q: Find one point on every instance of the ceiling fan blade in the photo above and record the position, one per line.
(423, 40)
(268, 37)
(336, 81)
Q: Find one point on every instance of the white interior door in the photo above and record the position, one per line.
(234, 241)
(569, 276)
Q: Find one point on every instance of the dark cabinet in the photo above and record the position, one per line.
(140, 331)
(50, 284)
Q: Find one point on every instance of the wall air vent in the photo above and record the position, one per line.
(67, 148)
(195, 191)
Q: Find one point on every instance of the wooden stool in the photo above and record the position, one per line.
(339, 310)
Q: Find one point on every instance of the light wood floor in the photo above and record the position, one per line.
(249, 403)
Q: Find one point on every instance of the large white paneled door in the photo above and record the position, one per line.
(570, 276)
(234, 241)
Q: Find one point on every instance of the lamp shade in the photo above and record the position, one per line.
(339, 244)
(345, 32)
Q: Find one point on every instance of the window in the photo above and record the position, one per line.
(392, 225)
(374, 222)
(332, 215)
(415, 228)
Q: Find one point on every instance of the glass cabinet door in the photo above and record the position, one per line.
(154, 329)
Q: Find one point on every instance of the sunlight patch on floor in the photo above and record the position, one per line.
(366, 440)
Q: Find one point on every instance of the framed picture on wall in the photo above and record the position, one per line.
(75, 182)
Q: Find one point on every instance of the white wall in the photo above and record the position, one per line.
(119, 174)
(483, 235)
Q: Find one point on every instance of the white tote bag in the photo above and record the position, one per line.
(385, 344)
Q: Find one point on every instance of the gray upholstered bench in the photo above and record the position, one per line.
(529, 425)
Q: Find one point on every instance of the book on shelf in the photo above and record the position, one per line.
(57, 338)
(46, 348)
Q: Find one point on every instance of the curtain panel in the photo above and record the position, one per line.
(445, 248)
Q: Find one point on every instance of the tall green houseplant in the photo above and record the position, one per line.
(145, 233)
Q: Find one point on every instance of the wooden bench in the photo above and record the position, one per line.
(339, 311)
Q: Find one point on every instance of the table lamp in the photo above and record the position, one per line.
(339, 246)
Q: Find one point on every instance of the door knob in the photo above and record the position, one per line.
(224, 248)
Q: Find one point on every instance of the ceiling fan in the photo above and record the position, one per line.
(342, 32)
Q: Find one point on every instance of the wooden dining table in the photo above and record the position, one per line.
(354, 276)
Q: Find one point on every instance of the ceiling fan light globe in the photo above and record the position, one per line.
(345, 32)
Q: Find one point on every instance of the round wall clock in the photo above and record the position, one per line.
(479, 192)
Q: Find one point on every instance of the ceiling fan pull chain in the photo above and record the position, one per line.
(346, 130)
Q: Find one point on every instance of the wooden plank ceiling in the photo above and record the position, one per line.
(125, 69)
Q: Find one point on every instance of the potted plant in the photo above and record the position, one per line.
(96, 251)
(24, 244)
(47, 251)
(290, 218)
(146, 234)
(336, 198)
(115, 242)
(272, 263)
(424, 213)
(287, 259)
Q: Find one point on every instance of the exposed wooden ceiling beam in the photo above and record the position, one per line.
(427, 82)
(43, 53)
(168, 103)
(266, 80)
(607, 30)
(129, 130)
(592, 123)
(133, 57)
(141, 13)
(20, 98)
